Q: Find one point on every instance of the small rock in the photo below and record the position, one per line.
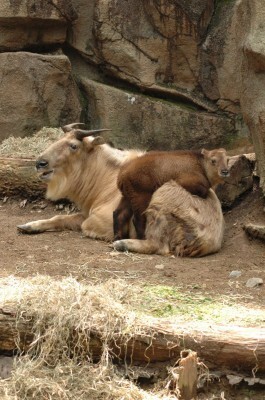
(159, 266)
(6, 366)
(235, 274)
(254, 282)
(234, 379)
(23, 203)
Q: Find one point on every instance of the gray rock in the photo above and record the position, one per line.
(159, 266)
(235, 274)
(6, 366)
(254, 282)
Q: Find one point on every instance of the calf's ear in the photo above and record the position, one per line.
(204, 152)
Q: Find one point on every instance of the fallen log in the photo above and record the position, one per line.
(223, 347)
(255, 231)
(18, 178)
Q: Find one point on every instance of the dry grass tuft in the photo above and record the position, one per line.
(67, 312)
(31, 146)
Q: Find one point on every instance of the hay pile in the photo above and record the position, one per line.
(30, 147)
(66, 314)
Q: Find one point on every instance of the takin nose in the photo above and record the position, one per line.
(225, 172)
(41, 164)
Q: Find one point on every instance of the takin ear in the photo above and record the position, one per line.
(204, 152)
(97, 140)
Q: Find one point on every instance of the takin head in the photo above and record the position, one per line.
(215, 163)
(63, 160)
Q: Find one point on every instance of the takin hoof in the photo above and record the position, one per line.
(119, 245)
(26, 228)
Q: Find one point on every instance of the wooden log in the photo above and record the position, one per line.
(255, 231)
(240, 180)
(233, 348)
(18, 178)
(185, 375)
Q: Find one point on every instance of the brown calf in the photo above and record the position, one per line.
(179, 223)
(195, 171)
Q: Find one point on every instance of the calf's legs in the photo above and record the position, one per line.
(121, 219)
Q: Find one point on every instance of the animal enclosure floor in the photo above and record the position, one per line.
(60, 254)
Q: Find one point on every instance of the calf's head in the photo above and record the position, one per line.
(61, 162)
(216, 164)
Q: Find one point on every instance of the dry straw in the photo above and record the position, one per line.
(66, 314)
(30, 146)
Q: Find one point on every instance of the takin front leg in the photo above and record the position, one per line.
(58, 223)
(145, 246)
(99, 224)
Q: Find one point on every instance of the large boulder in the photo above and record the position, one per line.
(253, 78)
(28, 23)
(144, 42)
(143, 122)
(221, 57)
(36, 91)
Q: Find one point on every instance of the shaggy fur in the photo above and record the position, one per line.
(179, 223)
(84, 171)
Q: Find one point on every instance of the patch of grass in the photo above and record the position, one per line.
(166, 301)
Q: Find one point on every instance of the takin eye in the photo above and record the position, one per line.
(73, 146)
(213, 161)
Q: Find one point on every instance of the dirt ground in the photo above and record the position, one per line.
(62, 253)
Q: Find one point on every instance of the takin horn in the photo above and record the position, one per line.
(69, 127)
(81, 134)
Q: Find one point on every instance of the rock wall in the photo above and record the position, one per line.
(160, 73)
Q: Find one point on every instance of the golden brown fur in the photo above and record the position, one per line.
(179, 223)
(85, 172)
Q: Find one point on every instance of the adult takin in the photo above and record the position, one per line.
(195, 171)
(179, 223)
(83, 169)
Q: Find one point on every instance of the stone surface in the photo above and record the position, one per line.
(28, 23)
(144, 43)
(253, 78)
(6, 366)
(254, 282)
(36, 9)
(222, 57)
(235, 274)
(35, 91)
(147, 123)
